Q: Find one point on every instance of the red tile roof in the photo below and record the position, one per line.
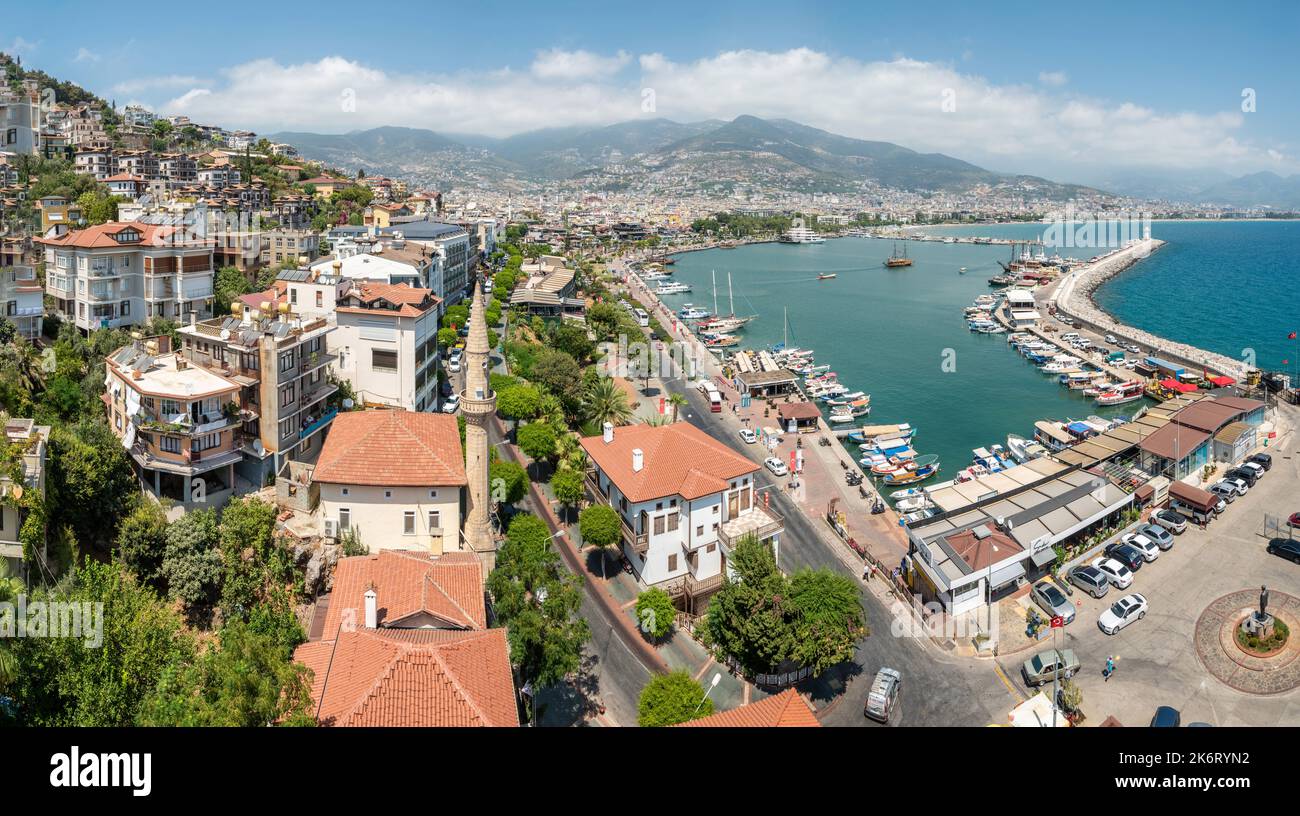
(785, 710)
(410, 587)
(392, 449)
(412, 678)
(979, 553)
(678, 459)
(151, 235)
(411, 301)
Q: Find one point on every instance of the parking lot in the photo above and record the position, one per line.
(1156, 658)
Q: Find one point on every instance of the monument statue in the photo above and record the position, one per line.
(1263, 602)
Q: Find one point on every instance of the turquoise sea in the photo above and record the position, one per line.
(1225, 286)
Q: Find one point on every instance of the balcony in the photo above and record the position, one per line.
(315, 360)
(313, 427)
(639, 542)
(757, 521)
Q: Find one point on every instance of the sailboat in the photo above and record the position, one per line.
(896, 260)
(731, 322)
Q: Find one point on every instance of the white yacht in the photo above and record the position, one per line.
(802, 235)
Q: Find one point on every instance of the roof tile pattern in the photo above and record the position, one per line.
(784, 710)
(408, 583)
(678, 460)
(392, 448)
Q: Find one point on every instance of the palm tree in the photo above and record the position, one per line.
(677, 401)
(606, 402)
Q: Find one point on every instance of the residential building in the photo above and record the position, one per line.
(182, 424)
(280, 358)
(326, 186)
(32, 440)
(95, 161)
(403, 642)
(58, 215)
(125, 273)
(20, 119)
(549, 292)
(395, 477)
(387, 344)
(788, 709)
(450, 244)
(684, 500)
(299, 246)
(136, 116)
(125, 185)
(178, 168)
(392, 261)
(141, 163)
(21, 298)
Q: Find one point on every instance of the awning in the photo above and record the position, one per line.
(1222, 382)
(1006, 575)
(1043, 557)
(1180, 387)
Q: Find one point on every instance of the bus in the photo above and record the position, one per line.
(642, 319)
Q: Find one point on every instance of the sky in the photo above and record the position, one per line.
(1064, 90)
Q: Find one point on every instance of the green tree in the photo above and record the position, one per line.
(560, 374)
(747, 618)
(600, 527)
(537, 601)
(827, 620)
(604, 402)
(230, 283)
(192, 564)
(91, 482)
(677, 401)
(669, 699)
(519, 402)
(244, 682)
(568, 487)
(655, 613)
(253, 561)
(10, 588)
(142, 541)
(447, 338)
(537, 439)
(571, 338)
(509, 481)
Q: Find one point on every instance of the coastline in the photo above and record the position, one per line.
(1075, 296)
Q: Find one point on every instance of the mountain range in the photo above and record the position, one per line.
(721, 156)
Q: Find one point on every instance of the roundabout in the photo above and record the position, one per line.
(1270, 668)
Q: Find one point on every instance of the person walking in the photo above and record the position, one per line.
(1110, 667)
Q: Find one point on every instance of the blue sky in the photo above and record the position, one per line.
(1037, 86)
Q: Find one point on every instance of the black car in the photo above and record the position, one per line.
(1285, 548)
(1247, 475)
(1264, 460)
(1130, 557)
(1166, 717)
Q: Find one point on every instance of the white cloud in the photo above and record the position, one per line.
(22, 47)
(85, 55)
(1054, 78)
(1023, 127)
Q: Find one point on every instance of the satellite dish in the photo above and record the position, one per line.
(347, 404)
(257, 446)
(225, 334)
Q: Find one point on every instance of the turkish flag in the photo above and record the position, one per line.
(1058, 622)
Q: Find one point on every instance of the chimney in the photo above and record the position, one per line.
(608, 432)
(638, 460)
(194, 317)
(372, 609)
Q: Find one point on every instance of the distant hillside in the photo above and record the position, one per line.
(1266, 189)
(748, 151)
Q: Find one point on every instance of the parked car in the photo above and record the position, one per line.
(1253, 467)
(1129, 556)
(1120, 576)
(1162, 537)
(1294, 521)
(1224, 491)
(1287, 548)
(1166, 717)
(883, 696)
(1264, 460)
(1047, 666)
(1242, 474)
(1091, 580)
(1240, 485)
(1110, 338)
(453, 365)
(1173, 521)
(775, 465)
(748, 436)
(450, 405)
(1143, 544)
(1123, 612)
(1052, 600)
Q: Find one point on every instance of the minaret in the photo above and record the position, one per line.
(478, 404)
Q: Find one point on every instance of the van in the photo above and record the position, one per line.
(1190, 512)
(883, 695)
(1070, 336)
(642, 319)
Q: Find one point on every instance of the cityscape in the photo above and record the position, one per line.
(747, 378)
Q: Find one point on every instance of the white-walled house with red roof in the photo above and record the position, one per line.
(685, 500)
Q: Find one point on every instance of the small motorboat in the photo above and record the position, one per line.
(826, 277)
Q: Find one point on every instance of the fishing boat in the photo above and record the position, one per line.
(1023, 449)
(721, 340)
(868, 433)
(913, 504)
(961, 271)
(654, 276)
(826, 277)
(845, 399)
(851, 411)
(1128, 392)
(896, 260)
(918, 470)
(673, 288)
(989, 460)
(692, 312)
(909, 493)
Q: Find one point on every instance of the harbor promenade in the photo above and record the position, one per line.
(1072, 295)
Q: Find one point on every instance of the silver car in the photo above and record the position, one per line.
(1162, 537)
(1170, 520)
(1091, 580)
(1053, 601)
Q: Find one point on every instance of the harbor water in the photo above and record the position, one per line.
(897, 334)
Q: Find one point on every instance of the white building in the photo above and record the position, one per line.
(387, 344)
(685, 500)
(395, 477)
(31, 439)
(20, 120)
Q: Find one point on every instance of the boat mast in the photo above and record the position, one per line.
(715, 292)
(731, 296)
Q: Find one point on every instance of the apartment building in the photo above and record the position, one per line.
(178, 168)
(392, 261)
(31, 440)
(20, 119)
(387, 344)
(296, 245)
(182, 424)
(394, 477)
(97, 161)
(21, 296)
(219, 176)
(58, 215)
(125, 273)
(136, 116)
(450, 243)
(280, 358)
(684, 499)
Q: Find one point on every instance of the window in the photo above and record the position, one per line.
(286, 361)
(345, 518)
(435, 520)
(388, 494)
(408, 522)
(345, 491)
(206, 441)
(383, 359)
(320, 300)
(433, 494)
(699, 530)
(711, 548)
(170, 444)
(672, 522)
(659, 525)
(286, 395)
(672, 562)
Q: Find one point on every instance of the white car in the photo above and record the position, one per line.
(1143, 544)
(453, 365)
(1123, 612)
(1119, 575)
(1110, 338)
(451, 404)
(1240, 484)
(748, 436)
(775, 465)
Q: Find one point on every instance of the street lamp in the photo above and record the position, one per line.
(717, 678)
